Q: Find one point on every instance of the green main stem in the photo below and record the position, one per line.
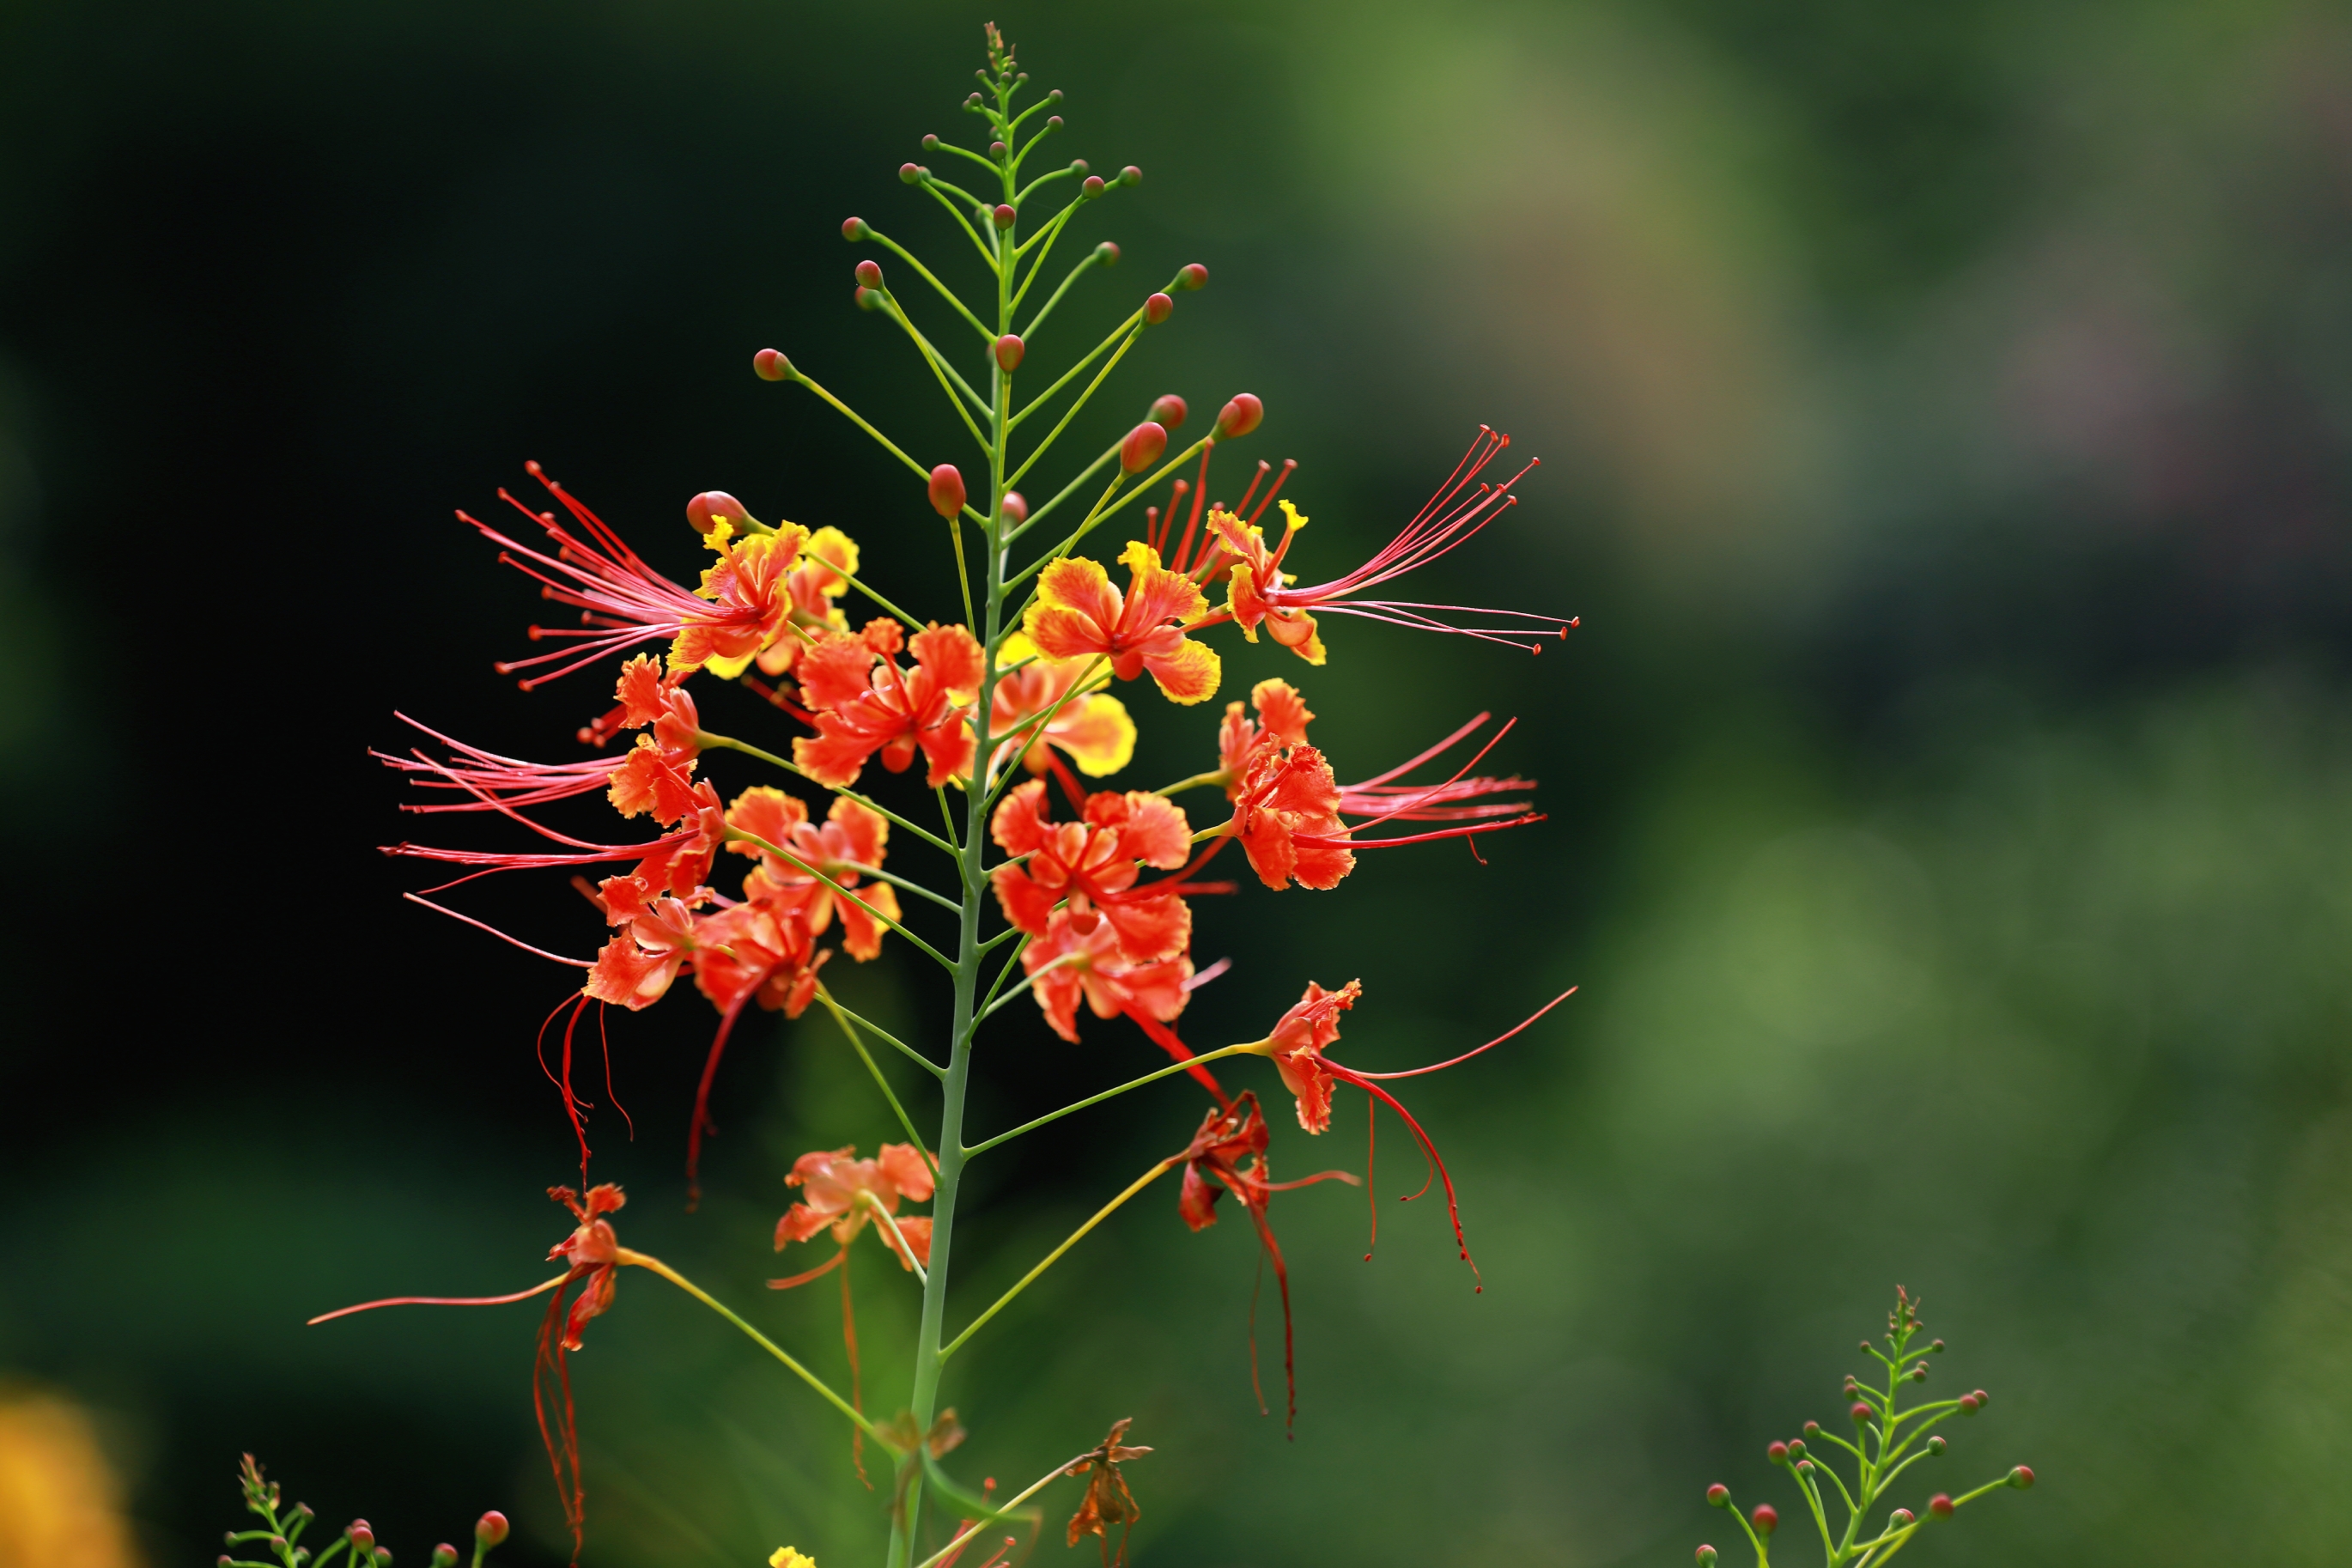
(952, 1154)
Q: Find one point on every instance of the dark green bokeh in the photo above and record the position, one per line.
(1944, 413)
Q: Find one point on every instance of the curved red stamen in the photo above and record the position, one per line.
(441, 1300)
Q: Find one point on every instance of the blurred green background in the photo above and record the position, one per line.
(1946, 412)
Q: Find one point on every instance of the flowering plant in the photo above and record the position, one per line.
(1088, 898)
(1887, 1441)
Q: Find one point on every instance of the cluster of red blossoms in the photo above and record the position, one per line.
(1098, 928)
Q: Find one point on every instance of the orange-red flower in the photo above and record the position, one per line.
(842, 1193)
(853, 840)
(1290, 811)
(1093, 865)
(1092, 726)
(624, 602)
(1228, 1155)
(1260, 593)
(813, 585)
(1078, 613)
(676, 863)
(861, 708)
(1069, 966)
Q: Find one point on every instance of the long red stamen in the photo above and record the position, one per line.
(1192, 522)
(1453, 1206)
(477, 925)
(539, 1289)
(1490, 1045)
(702, 1121)
(549, 1356)
(819, 1272)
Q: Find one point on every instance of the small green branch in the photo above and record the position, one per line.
(908, 257)
(911, 1054)
(1249, 1049)
(646, 1261)
(841, 1015)
(1125, 329)
(1102, 1213)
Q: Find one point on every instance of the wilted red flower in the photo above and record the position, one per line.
(1107, 1501)
(842, 1193)
(1077, 613)
(1093, 865)
(861, 709)
(1228, 1155)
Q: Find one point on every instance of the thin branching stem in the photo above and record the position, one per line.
(1101, 1215)
(985, 1145)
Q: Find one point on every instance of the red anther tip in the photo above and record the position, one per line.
(1005, 215)
(2022, 1477)
(1016, 508)
(1169, 412)
(1243, 415)
(1717, 1495)
(908, 173)
(704, 511)
(1778, 1453)
(1195, 276)
(1143, 447)
(1766, 1519)
(853, 229)
(532, 468)
(946, 490)
(1009, 350)
(491, 1528)
(1092, 187)
(1861, 1412)
(769, 364)
(1940, 1505)
(869, 274)
(1157, 309)
(1130, 175)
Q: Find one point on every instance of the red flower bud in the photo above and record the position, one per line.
(946, 490)
(1130, 175)
(1902, 1516)
(1009, 350)
(1778, 1453)
(1940, 1505)
(1092, 187)
(1937, 1347)
(1968, 1405)
(1143, 447)
(1813, 1428)
(867, 298)
(930, 142)
(996, 149)
(1107, 253)
(1005, 215)
(1766, 1519)
(1017, 509)
(1193, 277)
(704, 511)
(1240, 416)
(362, 1536)
(1804, 1465)
(2022, 1477)
(1861, 1413)
(1077, 165)
(1796, 1448)
(1718, 1495)
(1706, 1557)
(491, 1528)
(1981, 1397)
(1919, 1374)
(910, 173)
(1168, 412)
(445, 1556)
(853, 229)
(1157, 309)
(1053, 122)
(768, 365)
(1936, 1446)
(869, 274)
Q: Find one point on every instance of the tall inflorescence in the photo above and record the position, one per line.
(1888, 1439)
(1012, 701)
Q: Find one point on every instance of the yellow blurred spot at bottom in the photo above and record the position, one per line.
(60, 1505)
(785, 1557)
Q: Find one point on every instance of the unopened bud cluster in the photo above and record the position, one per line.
(1889, 1440)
